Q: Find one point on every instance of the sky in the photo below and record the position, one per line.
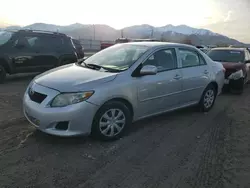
(218, 15)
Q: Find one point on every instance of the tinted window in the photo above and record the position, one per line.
(119, 56)
(163, 60)
(77, 43)
(5, 37)
(247, 56)
(48, 42)
(226, 55)
(190, 58)
(39, 42)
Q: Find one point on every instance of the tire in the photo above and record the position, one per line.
(240, 87)
(2, 74)
(120, 117)
(208, 98)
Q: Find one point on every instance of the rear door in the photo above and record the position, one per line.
(47, 50)
(195, 74)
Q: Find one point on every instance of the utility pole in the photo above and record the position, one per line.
(122, 33)
(94, 30)
(152, 32)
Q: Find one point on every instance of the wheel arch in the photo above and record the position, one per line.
(215, 85)
(122, 100)
(5, 65)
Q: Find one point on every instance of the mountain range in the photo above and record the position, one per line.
(167, 33)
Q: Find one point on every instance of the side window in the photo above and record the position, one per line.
(190, 58)
(47, 42)
(247, 56)
(202, 60)
(25, 41)
(163, 60)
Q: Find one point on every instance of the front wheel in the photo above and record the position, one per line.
(111, 121)
(208, 98)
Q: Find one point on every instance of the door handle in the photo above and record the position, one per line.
(177, 77)
(206, 72)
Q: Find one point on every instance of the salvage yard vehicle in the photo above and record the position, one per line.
(24, 51)
(79, 48)
(236, 61)
(106, 92)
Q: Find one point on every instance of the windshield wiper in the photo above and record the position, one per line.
(97, 67)
(92, 66)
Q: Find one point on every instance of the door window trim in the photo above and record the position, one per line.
(135, 73)
(197, 53)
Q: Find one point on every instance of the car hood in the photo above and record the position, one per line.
(230, 65)
(73, 78)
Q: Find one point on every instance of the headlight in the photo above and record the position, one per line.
(66, 99)
(236, 75)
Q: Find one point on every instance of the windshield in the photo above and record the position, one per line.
(119, 57)
(226, 55)
(5, 37)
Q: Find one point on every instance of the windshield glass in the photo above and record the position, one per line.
(226, 55)
(4, 37)
(118, 57)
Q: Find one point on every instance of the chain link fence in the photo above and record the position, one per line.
(93, 45)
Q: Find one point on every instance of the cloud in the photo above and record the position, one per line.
(229, 16)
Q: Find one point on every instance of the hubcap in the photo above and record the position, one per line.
(209, 98)
(112, 122)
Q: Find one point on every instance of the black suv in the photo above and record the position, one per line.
(34, 51)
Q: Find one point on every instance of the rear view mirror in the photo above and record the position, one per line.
(148, 70)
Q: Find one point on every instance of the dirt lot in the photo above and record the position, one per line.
(184, 149)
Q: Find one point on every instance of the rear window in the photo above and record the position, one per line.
(77, 43)
(226, 55)
(5, 37)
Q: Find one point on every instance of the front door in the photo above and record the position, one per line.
(160, 92)
(22, 54)
(195, 74)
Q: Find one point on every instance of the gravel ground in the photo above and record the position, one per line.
(183, 149)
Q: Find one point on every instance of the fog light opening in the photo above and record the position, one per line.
(63, 125)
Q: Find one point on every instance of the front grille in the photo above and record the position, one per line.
(37, 97)
(229, 72)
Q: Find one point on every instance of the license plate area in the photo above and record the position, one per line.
(32, 119)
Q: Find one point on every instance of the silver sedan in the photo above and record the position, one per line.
(105, 93)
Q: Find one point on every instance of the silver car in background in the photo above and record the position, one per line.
(108, 91)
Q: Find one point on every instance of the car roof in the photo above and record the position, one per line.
(40, 32)
(159, 44)
(226, 48)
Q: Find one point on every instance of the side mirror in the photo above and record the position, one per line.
(148, 70)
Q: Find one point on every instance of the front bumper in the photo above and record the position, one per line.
(79, 116)
(234, 84)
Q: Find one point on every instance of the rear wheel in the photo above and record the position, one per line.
(2, 74)
(111, 121)
(208, 98)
